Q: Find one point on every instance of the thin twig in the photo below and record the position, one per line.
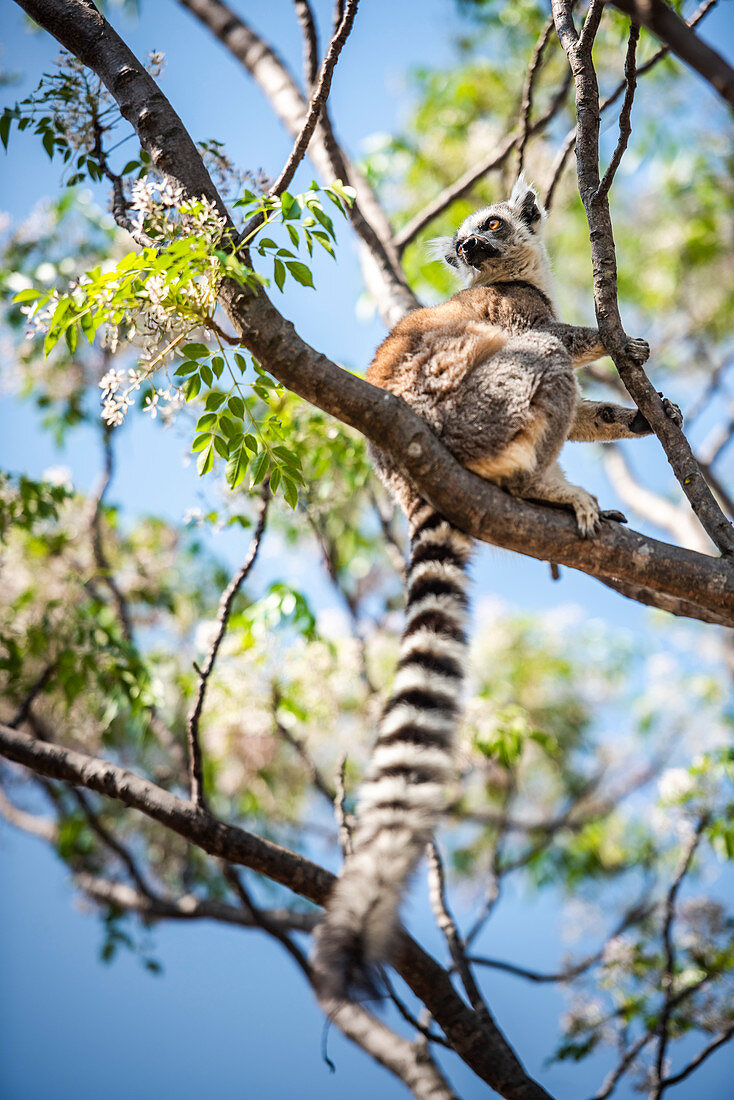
(95, 525)
(189, 907)
(314, 773)
(32, 694)
(111, 842)
(633, 916)
(719, 1041)
(527, 94)
(344, 819)
(464, 183)
(668, 975)
(625, 127)
(310, 42)
(196, 777)
(447, 924)
(43, 827)
(318, 99)
(261, 919)
(409, 1018)
(570, 140)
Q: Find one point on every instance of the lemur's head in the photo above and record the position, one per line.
(501, 242)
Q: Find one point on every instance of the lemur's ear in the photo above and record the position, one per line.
(442, 248)
(525, 201)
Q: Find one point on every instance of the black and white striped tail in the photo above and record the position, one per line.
(403, 795)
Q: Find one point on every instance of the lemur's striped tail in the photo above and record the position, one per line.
(403, 794)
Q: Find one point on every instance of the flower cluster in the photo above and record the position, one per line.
(118, 387)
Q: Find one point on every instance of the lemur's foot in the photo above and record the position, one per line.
(638, 351)
(672, 411)
(587, 512)
(611, 513)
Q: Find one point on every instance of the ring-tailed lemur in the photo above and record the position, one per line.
(491, 371)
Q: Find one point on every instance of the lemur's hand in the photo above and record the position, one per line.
(638, 351)
(672, 411)
(612, 513)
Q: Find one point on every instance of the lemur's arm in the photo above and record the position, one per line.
(584, 344)
(600, 421)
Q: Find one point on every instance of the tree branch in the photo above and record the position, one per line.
(668, 975)
(186, 908)
(675, 444)
(570, 140)
(667, 25)
(380, 263)
(489, 1055)
(464, 183)
(196, 777)
(625, 128)
(476, 506)
(318, 99)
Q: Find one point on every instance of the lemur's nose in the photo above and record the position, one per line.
(470, 245)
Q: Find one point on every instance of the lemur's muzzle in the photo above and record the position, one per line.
(475, 249)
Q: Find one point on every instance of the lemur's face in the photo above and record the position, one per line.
(497, 239)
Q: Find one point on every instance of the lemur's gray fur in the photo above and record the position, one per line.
(492, 371)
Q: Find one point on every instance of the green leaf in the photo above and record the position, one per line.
(290, 492)
(236, 406)
(278, 273)
(27, 295)
(206, 421)
(300, 272)
(201, 441)
(221, 446)
(195, 351)
(192, 387)
(214, 400)
(218, 365)
(205, 461)
(186, 368)
(236, 466)
(290, 208)
(5, 121)
(240, 361)
(260, 467)
(275, 480)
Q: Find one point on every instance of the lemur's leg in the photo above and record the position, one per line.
(600, 421)
(584, 344)
(553, 487)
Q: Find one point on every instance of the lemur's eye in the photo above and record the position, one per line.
(493, 223)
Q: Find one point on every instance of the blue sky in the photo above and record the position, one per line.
(229, 1017)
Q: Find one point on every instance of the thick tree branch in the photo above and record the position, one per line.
(638, 385)
(667, 25)
(489, 1055)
